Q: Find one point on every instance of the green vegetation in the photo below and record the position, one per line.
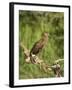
(31, 25)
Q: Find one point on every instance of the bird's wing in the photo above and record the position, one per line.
(36, 47)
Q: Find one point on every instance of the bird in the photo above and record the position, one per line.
(38, 46)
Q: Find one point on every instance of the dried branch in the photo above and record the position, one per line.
(55, 68)
(59, 60)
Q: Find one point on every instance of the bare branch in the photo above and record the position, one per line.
(55, 68)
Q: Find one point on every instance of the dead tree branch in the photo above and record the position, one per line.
(56, 68)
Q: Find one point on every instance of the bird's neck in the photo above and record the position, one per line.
(44, 39)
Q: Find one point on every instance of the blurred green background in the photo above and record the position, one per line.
(31, 25)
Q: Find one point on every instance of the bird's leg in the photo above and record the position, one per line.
(32, 58)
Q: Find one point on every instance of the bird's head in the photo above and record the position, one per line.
(45, 34)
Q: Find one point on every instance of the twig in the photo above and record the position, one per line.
(59, 60)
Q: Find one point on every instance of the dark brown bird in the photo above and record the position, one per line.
(37, 47)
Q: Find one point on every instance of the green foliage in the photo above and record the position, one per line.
(31, 25)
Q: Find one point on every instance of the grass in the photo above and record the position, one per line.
(31, 26)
